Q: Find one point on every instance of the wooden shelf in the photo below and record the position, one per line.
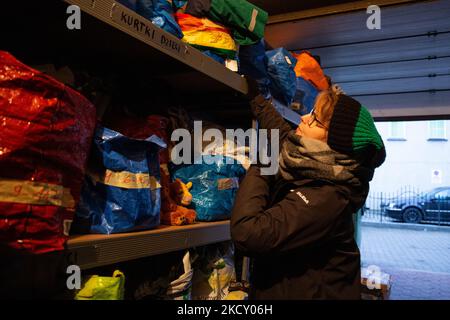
(94, 250)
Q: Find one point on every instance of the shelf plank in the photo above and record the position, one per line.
(94, 250)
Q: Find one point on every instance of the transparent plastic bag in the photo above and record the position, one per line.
(214, 185)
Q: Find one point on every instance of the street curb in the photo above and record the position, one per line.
(408, 226)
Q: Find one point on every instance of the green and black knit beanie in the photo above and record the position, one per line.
(352, 131)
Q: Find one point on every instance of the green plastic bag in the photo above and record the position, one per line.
(246, 20)
(103, 288)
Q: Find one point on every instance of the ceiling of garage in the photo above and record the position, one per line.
(275, 7)
(402, 70)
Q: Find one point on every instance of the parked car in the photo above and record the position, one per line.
(430, 206)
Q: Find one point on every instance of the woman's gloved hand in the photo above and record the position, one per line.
(257, 87)
(253, 88)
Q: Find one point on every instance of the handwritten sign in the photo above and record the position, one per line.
(127, 180)
(227, 183)
(134, 22)
(37, 193)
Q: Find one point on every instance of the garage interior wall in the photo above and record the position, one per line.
(401, 71)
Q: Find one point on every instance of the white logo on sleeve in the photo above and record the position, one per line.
(303, 197)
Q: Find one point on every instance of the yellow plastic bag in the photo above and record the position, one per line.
(237, 295)
(103, 288)
(207, 35)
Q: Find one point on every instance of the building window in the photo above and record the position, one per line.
(437, 130)
(397, 131)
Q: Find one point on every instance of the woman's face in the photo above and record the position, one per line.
(311, 127)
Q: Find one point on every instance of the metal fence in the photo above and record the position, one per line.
(409, 204)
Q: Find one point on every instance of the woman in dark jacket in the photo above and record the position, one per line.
(298, 224)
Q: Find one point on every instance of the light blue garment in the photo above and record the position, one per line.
(214, 186)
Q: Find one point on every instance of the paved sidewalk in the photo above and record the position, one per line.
(404, 226)
(419, 285)
(418, 261)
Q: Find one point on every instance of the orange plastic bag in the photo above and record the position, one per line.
(309, 69)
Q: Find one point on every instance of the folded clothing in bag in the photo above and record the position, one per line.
(282, 75)
(122, 189)
(161, 279)
(45, 136)
(214, 185)
(204, 34)
(214, 270)
(160, 13)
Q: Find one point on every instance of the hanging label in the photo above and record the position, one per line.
(289, 62)
(66, 227)
(227, 183)
(252, 24)
(127, 180)
(134, 22)
(37, 193)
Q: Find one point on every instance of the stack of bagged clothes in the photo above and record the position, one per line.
(292, 79)
(216, 27)
(46, 134)
(159, 12)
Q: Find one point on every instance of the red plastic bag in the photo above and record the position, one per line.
(142, 128)
(46, 130)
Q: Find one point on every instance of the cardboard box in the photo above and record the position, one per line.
(375, 285)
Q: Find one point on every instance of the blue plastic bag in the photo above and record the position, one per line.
(281, 72)
(214, 186)
(177, 4)
(121, 191)
(160, 13)
(214, 56)
(306, 94)
(253, 63)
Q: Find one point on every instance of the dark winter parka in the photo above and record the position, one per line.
(300, 233)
